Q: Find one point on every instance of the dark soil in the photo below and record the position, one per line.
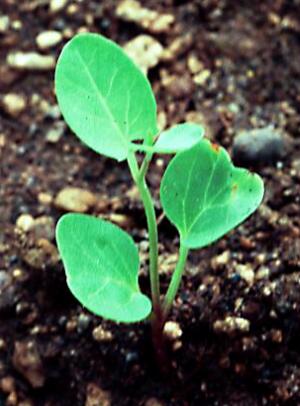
(48, 352)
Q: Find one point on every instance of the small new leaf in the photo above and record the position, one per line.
(104, 97)
(101, 263)
(204, 195)
(179, 138)
(175, 139)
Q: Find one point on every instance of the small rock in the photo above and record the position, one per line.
(194, 65)
(121, 220)
(246, 272)
(26, 359)
(30, 61)
(4, 23)
(14, 104)
(55, 133)
(221, 259)
(25, 222)
(7, 384)
(7, 291)
(48, 39)
(178, 86)
(53, 112)
(2, 344)
(132, 11)
(102, 335)
(145, 51)
(172, 330)
(263, 272)
(232, 324)
(83, 322)
(256, 146)
(75, 199)
(57, 5)
(43, 227)
(201, 78)
(41, 256)
(96, 396)
(45, 198)
(178, 47)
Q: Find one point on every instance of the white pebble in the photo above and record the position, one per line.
(13, 104)
(30, 61)
(48, 39)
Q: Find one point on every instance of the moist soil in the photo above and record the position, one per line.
(239, 304)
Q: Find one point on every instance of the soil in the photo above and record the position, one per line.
(239, 303)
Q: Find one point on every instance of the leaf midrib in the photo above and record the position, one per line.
(102, 101)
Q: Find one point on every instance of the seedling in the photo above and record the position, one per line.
(108, 103)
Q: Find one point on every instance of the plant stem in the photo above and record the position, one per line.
(139, 178)
(175, 281)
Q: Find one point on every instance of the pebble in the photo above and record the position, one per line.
(95, 396)
(48, 39)
(4, 23)
(26, 359)
(178, 47)
(75, 199)
(177, 86)
(221, 259)
(43, 255)
(45, 198)
(194, 64)
(8, 295)
(121, 220)
(132, 11)
(172, 330)
(257, 146)
(231, 324)
(263, 272)
(246, 272)
(14, 104)
(145, 51)
(30, 61)
(201, 78)
(7, 384)
(102, 335)
(83, 322)
(57, 5)
(56, 132)
(41, 227)
(25, 222)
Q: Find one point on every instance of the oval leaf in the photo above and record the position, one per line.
(179, 138)
(106, 100)
(101, 263)
(204, 195)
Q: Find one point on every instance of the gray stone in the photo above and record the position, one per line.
(258, 146)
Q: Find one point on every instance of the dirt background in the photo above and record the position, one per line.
(230, 65)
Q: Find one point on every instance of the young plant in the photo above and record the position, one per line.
(108, 103)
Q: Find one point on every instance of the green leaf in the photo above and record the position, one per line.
(175, 139)
(101, 263)
(179, 138)
(106, 100)
(204, 195)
